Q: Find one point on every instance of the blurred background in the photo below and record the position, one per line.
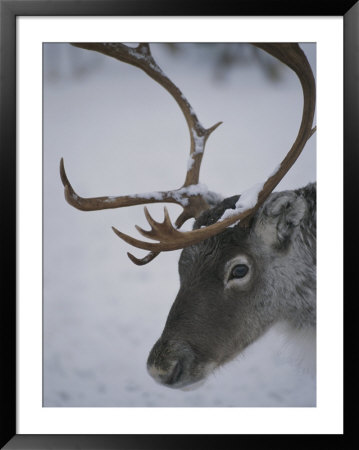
(121, 133)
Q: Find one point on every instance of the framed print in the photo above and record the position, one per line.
(133, 387)
(95, 353)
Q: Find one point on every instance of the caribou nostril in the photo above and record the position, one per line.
(170, 361)
(176, 373)
(169, 376)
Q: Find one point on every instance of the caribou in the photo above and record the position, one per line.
(249, 261)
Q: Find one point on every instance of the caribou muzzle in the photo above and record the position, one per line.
(174, 364)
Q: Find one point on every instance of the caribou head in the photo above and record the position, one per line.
(249, 260)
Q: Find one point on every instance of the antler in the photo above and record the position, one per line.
(191, 196)
(171, 239)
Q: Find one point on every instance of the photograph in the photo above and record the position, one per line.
(179, 224)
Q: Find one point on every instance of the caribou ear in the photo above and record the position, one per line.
(280, 217)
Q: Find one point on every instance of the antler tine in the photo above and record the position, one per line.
(166, 219)
(293, 57)
(109, 202)
(149, 218)
(142, 261)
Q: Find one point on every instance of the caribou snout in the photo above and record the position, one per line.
(173, 364)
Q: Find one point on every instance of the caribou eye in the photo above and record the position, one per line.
(239, 271)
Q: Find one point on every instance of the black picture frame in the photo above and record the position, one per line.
(9, 10)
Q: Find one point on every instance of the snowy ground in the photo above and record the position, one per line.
(119, 133)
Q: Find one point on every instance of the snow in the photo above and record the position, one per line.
(102, 314)
(110, 199)
(149, 195)
(190, 163)
(199, 142)
(189, 191)
(180, 195)
(247, 200)
(140, 54)
(274, 171)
